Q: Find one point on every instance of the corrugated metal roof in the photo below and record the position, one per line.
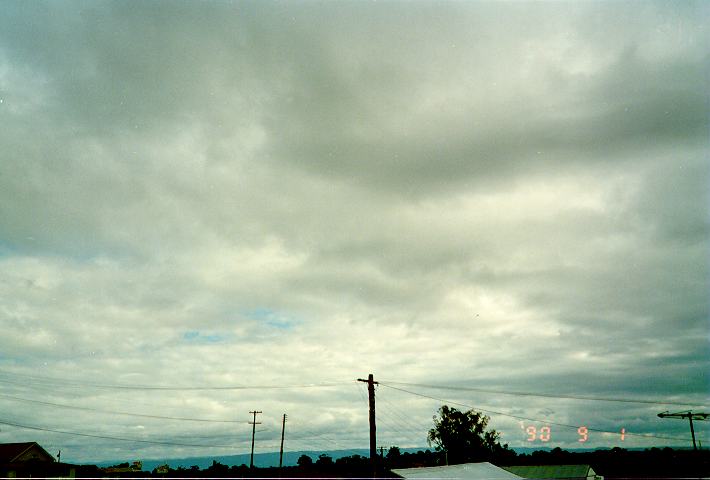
(552, 471)
(464, 471)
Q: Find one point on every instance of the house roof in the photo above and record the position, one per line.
(10, 452)
(552, 471)
(464, 471)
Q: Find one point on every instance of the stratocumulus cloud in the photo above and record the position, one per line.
(511, 196)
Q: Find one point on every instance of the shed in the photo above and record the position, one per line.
(571, 472)
(23, 452)
(464, 471)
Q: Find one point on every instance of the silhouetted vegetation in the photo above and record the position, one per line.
(614, 463)
(459, 437)
(618, 462)
(463, 437)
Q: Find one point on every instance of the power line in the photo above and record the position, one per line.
(298, 427)
(690, 416)
(89, 409)
(107, 437)
(398, 424)
(70, 382)
(397, 417)
(643, 435)
(544, 395)
(361, 393)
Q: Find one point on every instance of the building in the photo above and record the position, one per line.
(26, 459)
(567, 472)
(30, 460)
(23, 452)
(464, 471)
(136, 466)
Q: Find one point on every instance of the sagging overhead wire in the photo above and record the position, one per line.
(544, 395)
(77, 383)
(108, 437)
(113, 412)
(311, 439)
(518, 417)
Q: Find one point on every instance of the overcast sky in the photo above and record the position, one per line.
(509, 196)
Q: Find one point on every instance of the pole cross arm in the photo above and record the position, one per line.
(367, 381)
(694, 416)
(690, 416)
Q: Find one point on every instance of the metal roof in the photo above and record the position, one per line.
(464, 471)
(552, 471)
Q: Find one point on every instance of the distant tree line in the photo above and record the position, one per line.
(617, 462)
(462, 437)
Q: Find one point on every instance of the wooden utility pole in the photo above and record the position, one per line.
(253, 431)
(281, 451)
(690, 416)
(373, 429)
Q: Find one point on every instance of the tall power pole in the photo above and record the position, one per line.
(373, 429)
(690, 416)
(253, 431)
(281, 451)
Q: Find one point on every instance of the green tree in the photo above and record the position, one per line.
(463, 437)
(394, 454)
(324, 460)
(393, 457)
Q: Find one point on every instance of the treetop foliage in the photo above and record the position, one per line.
(463, 436)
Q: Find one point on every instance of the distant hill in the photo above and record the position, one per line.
(271, 459)
(262, 460)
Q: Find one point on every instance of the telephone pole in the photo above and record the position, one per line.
(253, 431)
(373, 429)
(690, 416)
(281, 451)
